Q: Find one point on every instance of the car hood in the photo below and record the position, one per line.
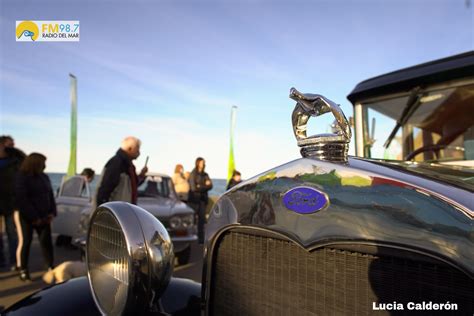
(368, 201)
(163, 207)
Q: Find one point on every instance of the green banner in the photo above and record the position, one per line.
(71, 170)
(231, 154)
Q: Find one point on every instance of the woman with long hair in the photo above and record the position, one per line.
(200, 184)
(181, 184)
(36, 205)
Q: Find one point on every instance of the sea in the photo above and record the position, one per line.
(219, 185)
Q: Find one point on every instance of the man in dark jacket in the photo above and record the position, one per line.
(119, 180)
(10, 161)
(200, 184)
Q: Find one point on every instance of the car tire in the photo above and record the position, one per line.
(83, 254)
(63, 241)
(184, 256)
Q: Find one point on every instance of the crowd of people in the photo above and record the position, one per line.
(26, 204)
(193, 187)
(119, 181)
(27, 201)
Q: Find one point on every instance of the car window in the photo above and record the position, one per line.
(155, 186)
(74, 187)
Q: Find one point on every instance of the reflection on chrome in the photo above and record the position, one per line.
(331, 146)
(369, 202)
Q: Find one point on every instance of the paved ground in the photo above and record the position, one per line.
(12, 288)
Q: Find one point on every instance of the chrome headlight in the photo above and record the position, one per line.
(187, 220)
(175, 222)
(129, 258)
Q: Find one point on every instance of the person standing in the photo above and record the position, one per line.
(88, 174)
(236, 179)
(200, 184)
(10, 161)
(181, 184)
(37, 208)
(119, 180)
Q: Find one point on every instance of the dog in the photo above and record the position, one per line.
(65, 271)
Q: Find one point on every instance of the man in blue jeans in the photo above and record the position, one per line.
(10, 161)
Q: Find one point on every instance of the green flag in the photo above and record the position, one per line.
(71, 170)
(231, 154)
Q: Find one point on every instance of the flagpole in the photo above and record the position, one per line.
(231, 167)
(71, 170)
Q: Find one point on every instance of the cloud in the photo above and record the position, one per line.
(37, 133)
(26, 82)
(168, 141)
(153, 79)
(37, 122)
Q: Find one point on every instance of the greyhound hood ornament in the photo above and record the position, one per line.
(331, 146)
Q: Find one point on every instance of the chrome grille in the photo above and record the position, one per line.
(260, 275)
(108, 260)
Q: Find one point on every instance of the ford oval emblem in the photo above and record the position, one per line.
(305, 200)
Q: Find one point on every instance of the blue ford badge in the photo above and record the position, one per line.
(305, 200)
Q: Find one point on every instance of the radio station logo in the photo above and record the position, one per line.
(47, 31)
(27, 31)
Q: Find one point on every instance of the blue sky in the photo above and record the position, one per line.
(169, 72)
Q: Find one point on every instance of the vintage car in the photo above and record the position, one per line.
(326, 234)
(156, 195)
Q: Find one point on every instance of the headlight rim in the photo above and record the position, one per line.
(178, 225)
(189, 220)
(131, 284)
(139, 250)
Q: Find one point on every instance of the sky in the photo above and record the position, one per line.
(169, 72)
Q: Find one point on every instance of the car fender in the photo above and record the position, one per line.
(74, 297)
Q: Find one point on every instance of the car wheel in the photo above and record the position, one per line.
(63, 241)
(184, 256)
(83, 254)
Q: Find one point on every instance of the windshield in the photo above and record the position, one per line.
(440, 129)
(156, 186)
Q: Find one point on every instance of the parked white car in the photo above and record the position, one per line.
(156, 195)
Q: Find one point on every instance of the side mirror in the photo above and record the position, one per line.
(129, 257)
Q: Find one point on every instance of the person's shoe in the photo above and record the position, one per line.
(25, 276)
(14, 268)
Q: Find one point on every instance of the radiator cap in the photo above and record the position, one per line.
(331, 146)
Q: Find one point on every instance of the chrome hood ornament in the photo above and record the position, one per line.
(330, 146)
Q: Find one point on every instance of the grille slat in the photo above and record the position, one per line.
(260, 275)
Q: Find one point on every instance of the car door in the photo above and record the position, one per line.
(73, 197)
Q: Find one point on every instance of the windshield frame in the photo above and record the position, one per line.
(363, 142)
